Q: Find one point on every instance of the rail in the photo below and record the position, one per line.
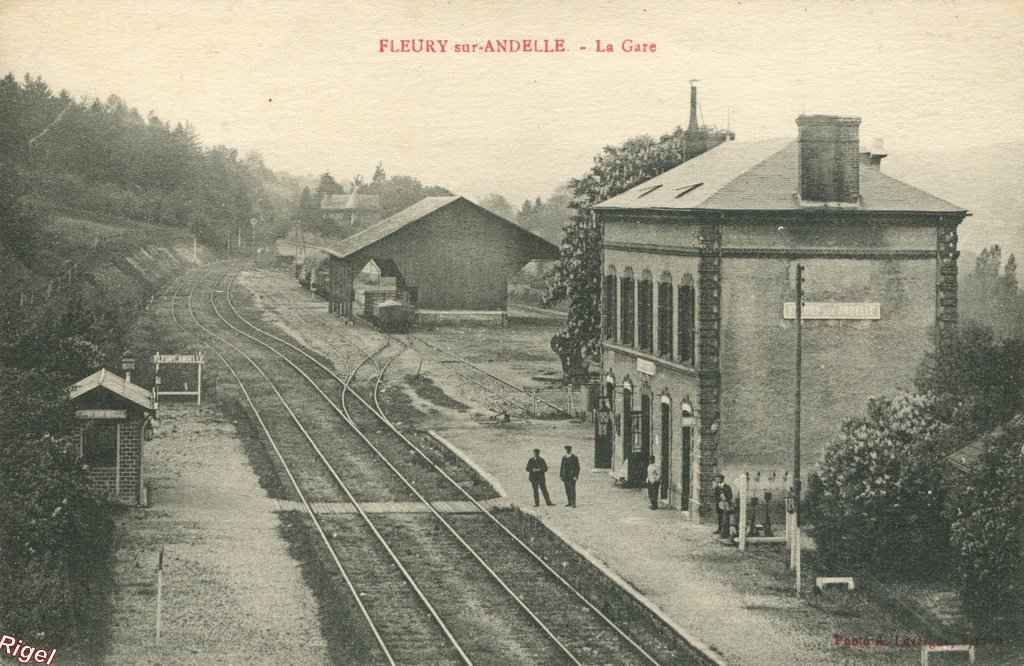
(391, 426)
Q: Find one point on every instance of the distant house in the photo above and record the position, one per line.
(451, 255)
(699, 290)
(351, 211)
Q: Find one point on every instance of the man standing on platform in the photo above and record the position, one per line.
(723, 503)
(569, 472)
(537, 468)
(653, 482)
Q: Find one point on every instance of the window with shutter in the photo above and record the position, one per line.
(686, 323)
(610, 311)
(665, 318)
(645, 298)
(627, 311)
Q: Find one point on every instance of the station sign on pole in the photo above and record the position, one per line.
(197, 360)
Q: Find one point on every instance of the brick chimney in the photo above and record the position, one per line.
(829, 159)
(693, 127)
(873, 156)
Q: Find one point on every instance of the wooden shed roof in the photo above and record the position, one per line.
(115, 384)
(413, 213)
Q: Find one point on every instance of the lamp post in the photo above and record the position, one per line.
(127, 364)
(796, 417)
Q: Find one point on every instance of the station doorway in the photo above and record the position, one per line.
(666, 441)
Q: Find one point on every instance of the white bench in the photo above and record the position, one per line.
(821, 581)
(925, 649)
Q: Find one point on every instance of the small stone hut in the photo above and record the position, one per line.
(115, 414)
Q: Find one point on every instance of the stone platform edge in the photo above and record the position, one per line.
(484, 474)
(696, 643)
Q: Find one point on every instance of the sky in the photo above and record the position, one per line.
(306, 84)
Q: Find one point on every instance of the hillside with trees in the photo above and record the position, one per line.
(98, 207)
(104, 158)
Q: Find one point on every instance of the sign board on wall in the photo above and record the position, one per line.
(101, 414)
(833, 311)
(645, 367)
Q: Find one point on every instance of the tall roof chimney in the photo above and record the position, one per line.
(692, 127)
(829, 158)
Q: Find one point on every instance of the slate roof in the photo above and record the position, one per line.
(350, 202)
(115, 384)
(761, 176)
(407, 216)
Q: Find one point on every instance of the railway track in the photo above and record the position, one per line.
(432, 586)
(505, 396)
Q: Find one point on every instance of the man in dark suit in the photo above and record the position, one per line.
(536, 468)
(568, 473)
(723, 499)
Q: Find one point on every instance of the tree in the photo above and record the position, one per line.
(498, 205)
(547, 218)
(977, 380)
(577, 274)
(397, 192)
(991, 296)
(876, 498)
(988, 534)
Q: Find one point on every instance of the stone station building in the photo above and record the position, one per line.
(698, 295)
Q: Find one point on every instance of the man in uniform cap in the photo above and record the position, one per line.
(568, 473)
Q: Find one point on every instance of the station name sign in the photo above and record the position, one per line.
(645, 367)
(833, 311)
(178, 358)
(101, 414)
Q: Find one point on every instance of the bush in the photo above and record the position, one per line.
(876, 498)
(988, 533)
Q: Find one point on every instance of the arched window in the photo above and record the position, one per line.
(645, 316)
(626, 318)
(687, 315)
(610, 309)
(665, 315)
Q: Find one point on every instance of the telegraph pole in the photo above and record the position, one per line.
(796, 413)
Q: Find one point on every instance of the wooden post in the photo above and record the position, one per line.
(159, 591)
(199, 385)
(796, 529)
(796, 413)
(743, 511)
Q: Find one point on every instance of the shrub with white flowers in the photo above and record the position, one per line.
(876, 497)
(988, 533)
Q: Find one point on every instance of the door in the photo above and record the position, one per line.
(627, 423)
(687, 445)
(641, 444)
(603, 429)
(666, 438)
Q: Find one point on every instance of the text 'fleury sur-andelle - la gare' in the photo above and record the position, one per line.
(546, 45)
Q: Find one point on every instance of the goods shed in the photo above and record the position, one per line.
(452, 256)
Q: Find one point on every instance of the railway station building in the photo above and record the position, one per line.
(698, 295)
(449, 257)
